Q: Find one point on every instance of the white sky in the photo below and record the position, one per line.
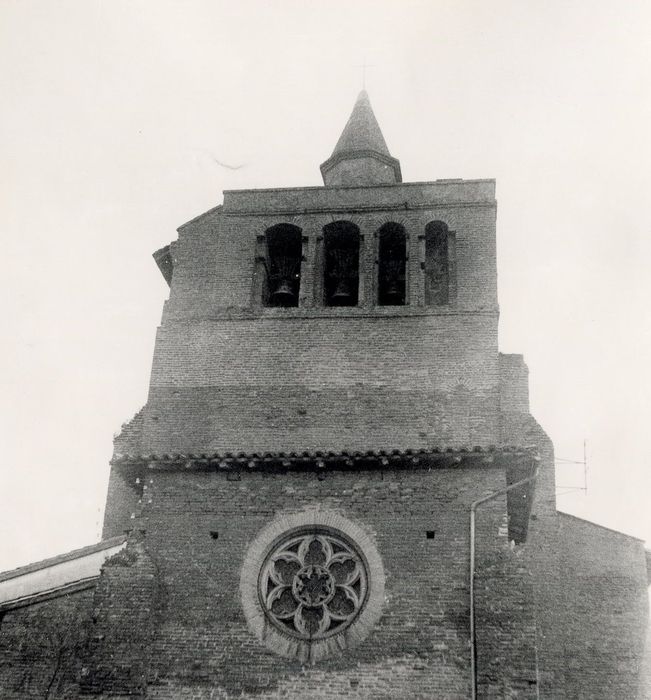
(114, 113)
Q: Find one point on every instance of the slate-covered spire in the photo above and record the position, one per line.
(362, 132)
(361, 156)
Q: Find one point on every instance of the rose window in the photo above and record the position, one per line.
(313, 585)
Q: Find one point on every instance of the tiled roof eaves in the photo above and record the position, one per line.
(434, 457)
(512, 459)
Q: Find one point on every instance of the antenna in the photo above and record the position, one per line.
(559, 461)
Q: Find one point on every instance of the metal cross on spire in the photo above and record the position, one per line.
(364, 66)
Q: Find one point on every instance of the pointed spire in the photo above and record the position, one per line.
(362, 132)
(361, 156)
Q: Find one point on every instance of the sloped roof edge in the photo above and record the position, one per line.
(602, 527)
(61, 558)
(199, 217)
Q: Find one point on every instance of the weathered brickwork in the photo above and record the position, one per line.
(214, 257)
(122, 497)
(204, 645)
(590, 586)
(229, 375)
(541, 556)
(605, 606)
(296, 384)
(255, 422)
(42, 647)
(125, 617)
(514, 385)
(506, 626)
(121, 501)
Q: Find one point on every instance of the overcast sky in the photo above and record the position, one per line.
(114, 117)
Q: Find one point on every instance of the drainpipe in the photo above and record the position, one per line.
(473, 633)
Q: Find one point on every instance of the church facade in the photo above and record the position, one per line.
(335, 488)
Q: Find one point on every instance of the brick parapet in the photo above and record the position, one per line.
(350, 198)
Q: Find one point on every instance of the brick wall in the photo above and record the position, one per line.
(127, 602)
(42, 645)
(605, 606)
(123, 495)
(506, 625)
(544, 564)
(514, 384)
(541, 554)
(230, 375)
(300, 384)
(589, 583)
(215, 255)
(419, 648)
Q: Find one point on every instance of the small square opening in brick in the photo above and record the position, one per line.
(429, 534)
(214, 534)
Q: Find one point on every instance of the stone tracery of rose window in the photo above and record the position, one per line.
(313, 585)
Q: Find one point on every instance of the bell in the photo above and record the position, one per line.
(283, 295)
(393, 292)
(342, 293)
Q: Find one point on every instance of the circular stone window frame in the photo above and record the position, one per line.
(284, 644)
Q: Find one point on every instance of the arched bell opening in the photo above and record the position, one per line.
(392, 258)
(284, 253)
(341, 269)
(437, 264)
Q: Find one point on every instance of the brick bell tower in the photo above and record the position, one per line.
(327, 401)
